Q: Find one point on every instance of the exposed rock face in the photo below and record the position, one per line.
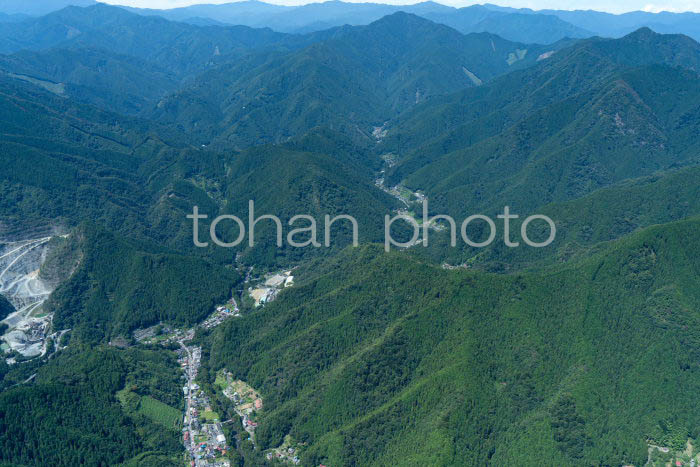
(19, 272)
(25, 291)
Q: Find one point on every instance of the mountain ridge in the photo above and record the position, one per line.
(380, 67)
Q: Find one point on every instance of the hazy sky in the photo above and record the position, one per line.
(617, 6)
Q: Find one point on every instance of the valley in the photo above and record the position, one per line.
(139, 329)
(204, 440)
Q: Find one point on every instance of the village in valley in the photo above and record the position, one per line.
(203, 434)
(202, 431)
(28, 333)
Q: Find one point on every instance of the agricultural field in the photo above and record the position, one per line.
(242, 394)
(159, 412)
(153, 409)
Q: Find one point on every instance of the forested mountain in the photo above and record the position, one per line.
(604, 115)
(383, 360)
(5, 307)
(583, 224)
(353, 80)
(65, 162)
(539, 29)
(612, 25)
(176, 47)
(569, 156)
(96, 303)
(111, 81)
(516, 24)
(72, 416)
(308, 183)
(125, 62)
(115, 125)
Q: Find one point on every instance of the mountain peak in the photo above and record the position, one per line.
(403, 16)
(402, 24)
(645, 47)
(406, 21)
(643, 33)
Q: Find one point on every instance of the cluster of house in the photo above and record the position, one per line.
(203, 435)
(166, 334)
(222, 312)
(202, 432)
(207, 445)
(285, 455)
(189, 362)
(687, 457)
(246, 402)
(248, 423)
(163, 334)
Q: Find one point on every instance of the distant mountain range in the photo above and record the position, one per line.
(39, 7)
(610, 25)
(318, 16)
(523, 25)
(238, 85)
(520, 25)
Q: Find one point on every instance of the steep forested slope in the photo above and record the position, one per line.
(589, 116)
(582, 224)
(5, 307)
(63, 163)
(120, 83)
(293, 180)
(383, 360)
(351, 81)
(71, 415)
(119, 286)
(637, 123)
(458, 120)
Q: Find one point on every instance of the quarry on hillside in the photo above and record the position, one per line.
(20, 282)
